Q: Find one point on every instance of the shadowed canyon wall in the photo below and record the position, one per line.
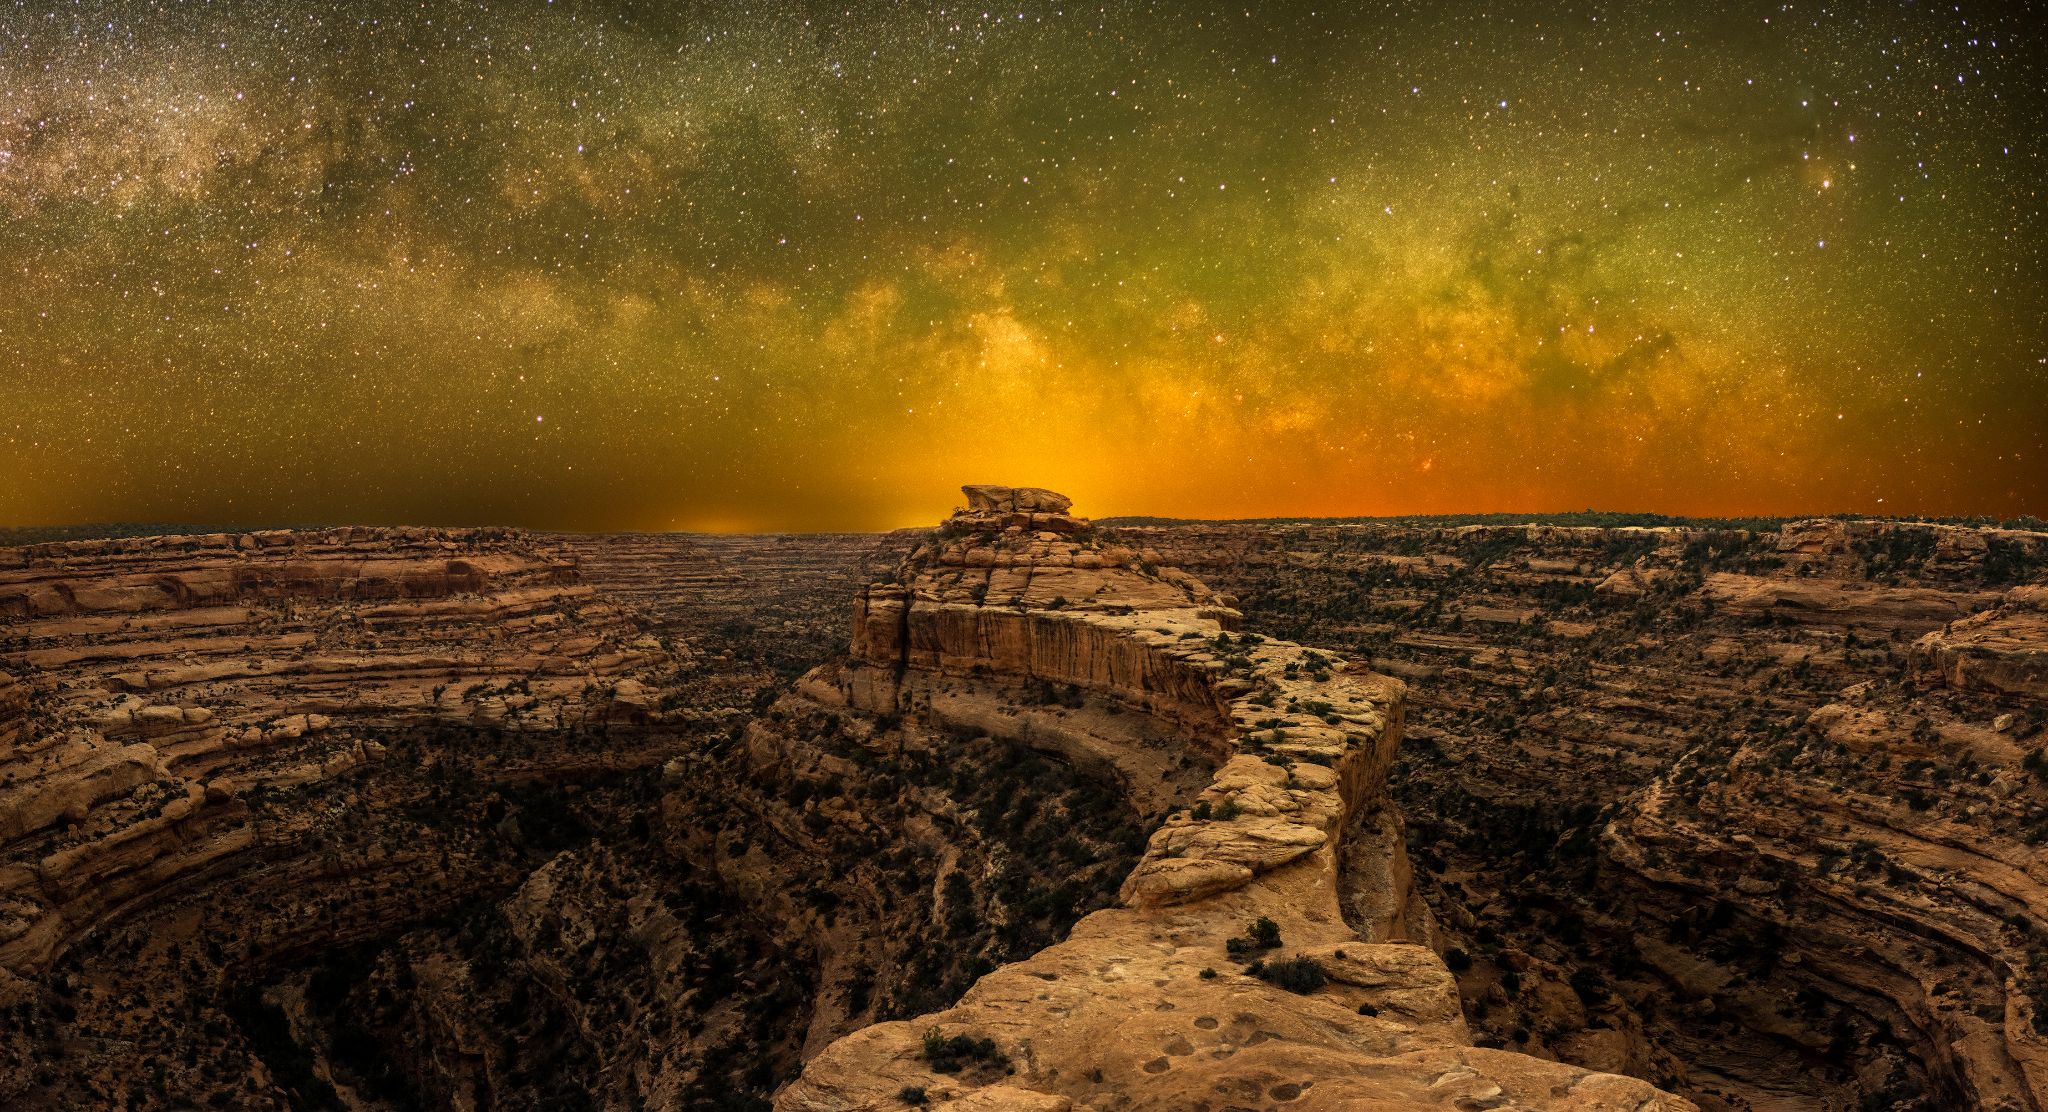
(1757, 814)
(388, 818)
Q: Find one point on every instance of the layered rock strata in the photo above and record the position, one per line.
(509, 902)
(221, 752)
(1281, 753)
(1999, 651)
(1753, 811)
(776, 601)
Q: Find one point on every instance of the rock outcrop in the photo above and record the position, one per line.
(506, 845)
(1751, 811)
(428, 818)
(2003, 650)
(984, 499)
(1151, 1004)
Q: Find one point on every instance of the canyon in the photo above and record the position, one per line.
(1753, 812)
(1028, 812)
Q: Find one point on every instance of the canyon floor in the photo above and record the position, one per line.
(1028, 812)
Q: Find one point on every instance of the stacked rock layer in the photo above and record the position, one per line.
(1283, 752)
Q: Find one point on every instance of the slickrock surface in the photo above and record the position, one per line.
(1755, 813)
(1283, 753)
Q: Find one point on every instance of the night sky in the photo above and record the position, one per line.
(609, 265)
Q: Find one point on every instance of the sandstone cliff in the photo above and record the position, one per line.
(1150, 1004)
(2002, 651)
(218, 752)
(495, 839)
(475, 818)
(199, 673)
(1751, 811)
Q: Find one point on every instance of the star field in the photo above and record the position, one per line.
(788, 266)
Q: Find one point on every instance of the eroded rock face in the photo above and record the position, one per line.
(985, 499)
(175, 679)
(1869, 867)
(1143, 1005)
(1754, 812)
(1751, 814)
(2003, 650)
(507, 899)
(219, 752)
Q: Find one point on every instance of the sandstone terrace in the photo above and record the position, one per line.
(1576, 724)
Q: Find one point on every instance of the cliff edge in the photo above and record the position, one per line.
(1267, 950)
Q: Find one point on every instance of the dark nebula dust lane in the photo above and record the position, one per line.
(616, 265)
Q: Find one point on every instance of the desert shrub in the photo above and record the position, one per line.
(950, 1055)
(1297, 974)
(1262, 934)
(2007, 562)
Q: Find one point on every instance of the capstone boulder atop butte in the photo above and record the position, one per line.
(1269, 950)
(982, 498)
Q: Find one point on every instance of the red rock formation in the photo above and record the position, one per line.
(179, 676)
(1143, 1006)
(1687, 800)
(1686, 803)
(2002, 650)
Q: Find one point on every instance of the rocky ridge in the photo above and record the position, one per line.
(2000, 651)
(1283, 756)
(507, 884)
(1754, 812)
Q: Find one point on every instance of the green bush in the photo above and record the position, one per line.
(1296, 974)
(1265, 932)
(1262, 934)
